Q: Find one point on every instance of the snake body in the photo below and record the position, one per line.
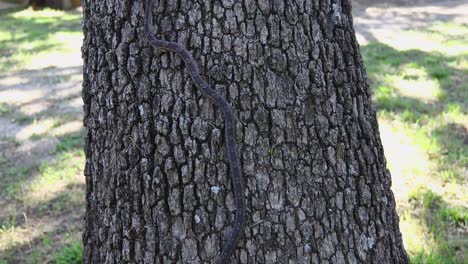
(215, 98)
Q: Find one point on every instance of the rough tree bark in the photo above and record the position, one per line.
(158, 191)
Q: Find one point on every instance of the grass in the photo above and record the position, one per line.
(70, 142)
(421, 94)
(54, 188)
(439, 217)
(63, 169)
(30, 37)
(70, 254)
(42, 200)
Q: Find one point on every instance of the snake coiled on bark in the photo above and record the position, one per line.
(215, 98)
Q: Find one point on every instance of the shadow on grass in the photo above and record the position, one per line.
(31, 79)
(385, 64)
(55, 90)
(381, 59)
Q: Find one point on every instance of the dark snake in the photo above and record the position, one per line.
(215, 98)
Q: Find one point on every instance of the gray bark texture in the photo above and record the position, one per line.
(158, 191)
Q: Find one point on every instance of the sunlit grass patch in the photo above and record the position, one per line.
(36, 127)
(428, 94)
(414, 234)
(447, 38)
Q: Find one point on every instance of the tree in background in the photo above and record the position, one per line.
(158, 190)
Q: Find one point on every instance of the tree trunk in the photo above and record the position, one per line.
(158, 190)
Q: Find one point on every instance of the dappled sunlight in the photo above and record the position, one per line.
(41, 134)
(425, 146)
(456, 194)
(45, 201)
(59, 58)
(67, 128)
(43, 191)
(15, 236)
(33, 152)
(426, 90)
(414, 82)
(12, 80)
(39, 90)
(35, 39)
(38, 127)
(17, 96)
(76, 103)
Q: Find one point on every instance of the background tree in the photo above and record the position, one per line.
(317, 187)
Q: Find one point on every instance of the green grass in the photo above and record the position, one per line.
(70, 254)
(440, 218)
(70, 142)
(48, 195)
(55, 188)
(26, 36)
(423, 94)
(428, 93)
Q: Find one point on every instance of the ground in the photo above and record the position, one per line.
(416, 55)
